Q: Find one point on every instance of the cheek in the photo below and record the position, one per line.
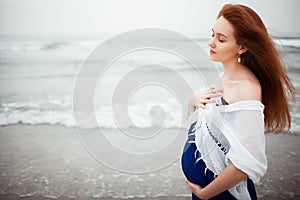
(224, 52)
(228, 49)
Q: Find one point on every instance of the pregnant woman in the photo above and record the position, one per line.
(225, 152)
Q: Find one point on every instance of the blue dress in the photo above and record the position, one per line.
(196, 171)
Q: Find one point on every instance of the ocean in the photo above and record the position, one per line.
(38, 75)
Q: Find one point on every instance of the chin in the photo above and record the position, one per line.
(213, 59)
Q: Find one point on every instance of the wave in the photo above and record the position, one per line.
(31, 45)
(293, 43)
(60, 112)
(11, 44)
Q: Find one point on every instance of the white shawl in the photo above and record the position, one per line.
(232, 134)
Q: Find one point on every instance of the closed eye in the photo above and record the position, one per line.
(220, 40)
(219, 36)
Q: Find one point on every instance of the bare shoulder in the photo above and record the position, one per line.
(243, 87)
(249, 89)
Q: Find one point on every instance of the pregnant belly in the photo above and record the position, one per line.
(193, 171)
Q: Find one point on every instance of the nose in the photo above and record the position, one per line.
(211, 43)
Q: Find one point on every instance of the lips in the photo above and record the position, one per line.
(212, 52)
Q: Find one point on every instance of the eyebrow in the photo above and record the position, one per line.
(221, 34)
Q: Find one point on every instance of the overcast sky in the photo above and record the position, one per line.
(92, 17)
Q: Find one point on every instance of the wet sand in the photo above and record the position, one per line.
(49, 162)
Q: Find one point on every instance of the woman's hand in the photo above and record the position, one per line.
(203, 98)
(195, 189)
(229, 177)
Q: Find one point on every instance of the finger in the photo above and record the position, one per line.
(189, 182)
(212, 89)
(202, 106)
(217, 94)
(193, 187)
(189, 185)
(212, 95)
(215, 90)
(206, 101)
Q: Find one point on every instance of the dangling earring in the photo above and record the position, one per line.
(239, 58)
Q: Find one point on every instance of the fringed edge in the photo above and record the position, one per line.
(193, 133)
(206, 168)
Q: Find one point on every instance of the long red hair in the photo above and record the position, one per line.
(263, 59)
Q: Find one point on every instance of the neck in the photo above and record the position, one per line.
(233, 69)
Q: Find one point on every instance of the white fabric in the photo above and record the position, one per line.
(232, 134)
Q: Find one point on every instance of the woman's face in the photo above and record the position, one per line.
(223, 46)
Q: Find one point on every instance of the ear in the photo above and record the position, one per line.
(242, 50)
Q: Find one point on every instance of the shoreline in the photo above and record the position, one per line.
(43, 161)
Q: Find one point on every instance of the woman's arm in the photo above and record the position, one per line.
(230, 177)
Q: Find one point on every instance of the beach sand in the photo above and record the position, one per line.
(46, 162)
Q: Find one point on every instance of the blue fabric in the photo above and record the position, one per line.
(195, 170)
